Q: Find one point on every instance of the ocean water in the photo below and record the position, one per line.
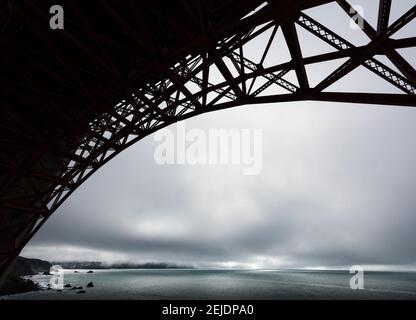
(227, 284)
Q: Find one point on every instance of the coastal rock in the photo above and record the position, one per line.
(90, 271)
(24, 267)
(28, 267)
(90, 285)
(82, 291)
(15, 284)
(67, 286)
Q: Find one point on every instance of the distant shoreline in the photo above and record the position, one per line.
(74, 265)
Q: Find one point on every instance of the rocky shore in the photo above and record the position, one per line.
(33, 274)
(24, 267)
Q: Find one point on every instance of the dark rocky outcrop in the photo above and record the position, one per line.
(90, 285)
(24, 267)
(90, 271)
(82, 291)
(15, 284)
(28, 267)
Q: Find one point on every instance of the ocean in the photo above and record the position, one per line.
(170, 284)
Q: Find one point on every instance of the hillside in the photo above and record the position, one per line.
(24, 267)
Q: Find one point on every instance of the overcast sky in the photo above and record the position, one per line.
(337, 186)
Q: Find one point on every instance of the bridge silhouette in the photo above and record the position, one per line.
(73, 99)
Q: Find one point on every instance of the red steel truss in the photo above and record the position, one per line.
(73, 99)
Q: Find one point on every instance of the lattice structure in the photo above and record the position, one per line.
(193, 59)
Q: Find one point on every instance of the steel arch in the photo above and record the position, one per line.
(184, 87)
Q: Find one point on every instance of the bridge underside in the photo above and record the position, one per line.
(73, 99)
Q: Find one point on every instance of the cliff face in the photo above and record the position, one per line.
(24, 267)
(27, 267)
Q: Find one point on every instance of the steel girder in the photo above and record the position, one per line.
(183, 86)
